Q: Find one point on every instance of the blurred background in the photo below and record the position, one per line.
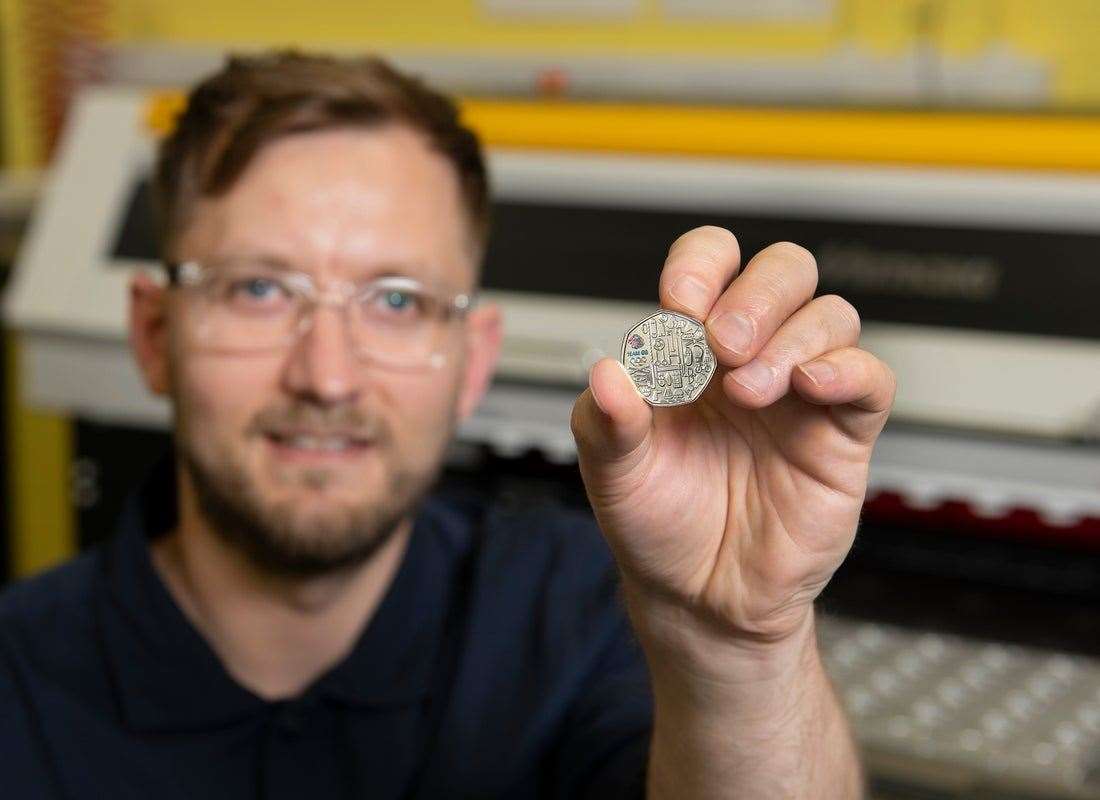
(940, 157)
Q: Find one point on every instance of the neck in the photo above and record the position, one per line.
(275, 635)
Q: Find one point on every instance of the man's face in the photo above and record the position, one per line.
(306, 455)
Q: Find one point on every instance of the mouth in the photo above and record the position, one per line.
(313, 446)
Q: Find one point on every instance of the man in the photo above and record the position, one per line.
(285, 613)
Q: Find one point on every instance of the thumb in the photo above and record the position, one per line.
(610, 419)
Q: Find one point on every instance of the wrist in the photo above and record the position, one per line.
(679, 640)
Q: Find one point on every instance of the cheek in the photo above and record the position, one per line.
(423, 406)
(219, 395)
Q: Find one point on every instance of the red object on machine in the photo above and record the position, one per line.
(960, 516)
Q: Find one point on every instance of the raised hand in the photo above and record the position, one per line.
(738, 508)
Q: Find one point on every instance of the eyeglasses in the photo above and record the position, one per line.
(252, 307)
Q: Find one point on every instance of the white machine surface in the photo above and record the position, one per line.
(915, 700)
(965, 719)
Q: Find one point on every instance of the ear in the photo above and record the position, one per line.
(149, 331)
(484, 331)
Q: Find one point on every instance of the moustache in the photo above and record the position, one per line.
(306, 419)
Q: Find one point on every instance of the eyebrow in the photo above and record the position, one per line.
(416, 271)
(269, 260)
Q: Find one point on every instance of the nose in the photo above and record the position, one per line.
(322, 366)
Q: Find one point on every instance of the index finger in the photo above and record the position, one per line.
(699, 266)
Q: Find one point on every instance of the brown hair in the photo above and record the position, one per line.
(254, 100)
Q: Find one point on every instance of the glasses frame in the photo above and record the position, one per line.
(335, 294)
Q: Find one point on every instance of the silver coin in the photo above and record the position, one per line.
(668, 358)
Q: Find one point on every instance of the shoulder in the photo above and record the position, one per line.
(526, 540)
(46, 620)
(540, 569)
(546, 525)
(550, 668)
(552, 564)
(50, 598)
(46, 631)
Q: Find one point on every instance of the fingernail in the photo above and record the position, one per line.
(756, 376)
(733, 331)
(590, 357)
(691, 293)
(595, 395)
(820, 372)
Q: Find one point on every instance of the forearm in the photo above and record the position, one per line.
(745, 722)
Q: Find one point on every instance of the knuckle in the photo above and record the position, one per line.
(840, 310)
(771, 290)
(891, 378)
(797, 348)
(721, 237)
(708, 242)
(797, 254)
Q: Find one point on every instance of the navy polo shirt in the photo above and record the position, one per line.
(499, 664)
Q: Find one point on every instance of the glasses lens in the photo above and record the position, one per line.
(245, 308)
(401, 325)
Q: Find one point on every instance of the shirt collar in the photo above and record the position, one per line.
(168, 678)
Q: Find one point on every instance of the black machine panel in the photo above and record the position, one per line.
(956, 277)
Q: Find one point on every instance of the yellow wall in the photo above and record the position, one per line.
(1062, 33)
(445, 24)
(41, 515)
(19, 145)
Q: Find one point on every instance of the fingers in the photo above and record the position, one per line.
(700, 265)
(740, 315)
(610, 419)
(765, 328)
(822, 325)
(776, 283)
(858, 385)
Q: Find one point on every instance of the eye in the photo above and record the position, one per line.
(398, 300)
(255, 292)
(394, 303)
(257, 288)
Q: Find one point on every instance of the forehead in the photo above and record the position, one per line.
(342, 203)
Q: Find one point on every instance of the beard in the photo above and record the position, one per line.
(280, 538)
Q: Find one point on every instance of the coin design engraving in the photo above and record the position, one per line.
(668, 358)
